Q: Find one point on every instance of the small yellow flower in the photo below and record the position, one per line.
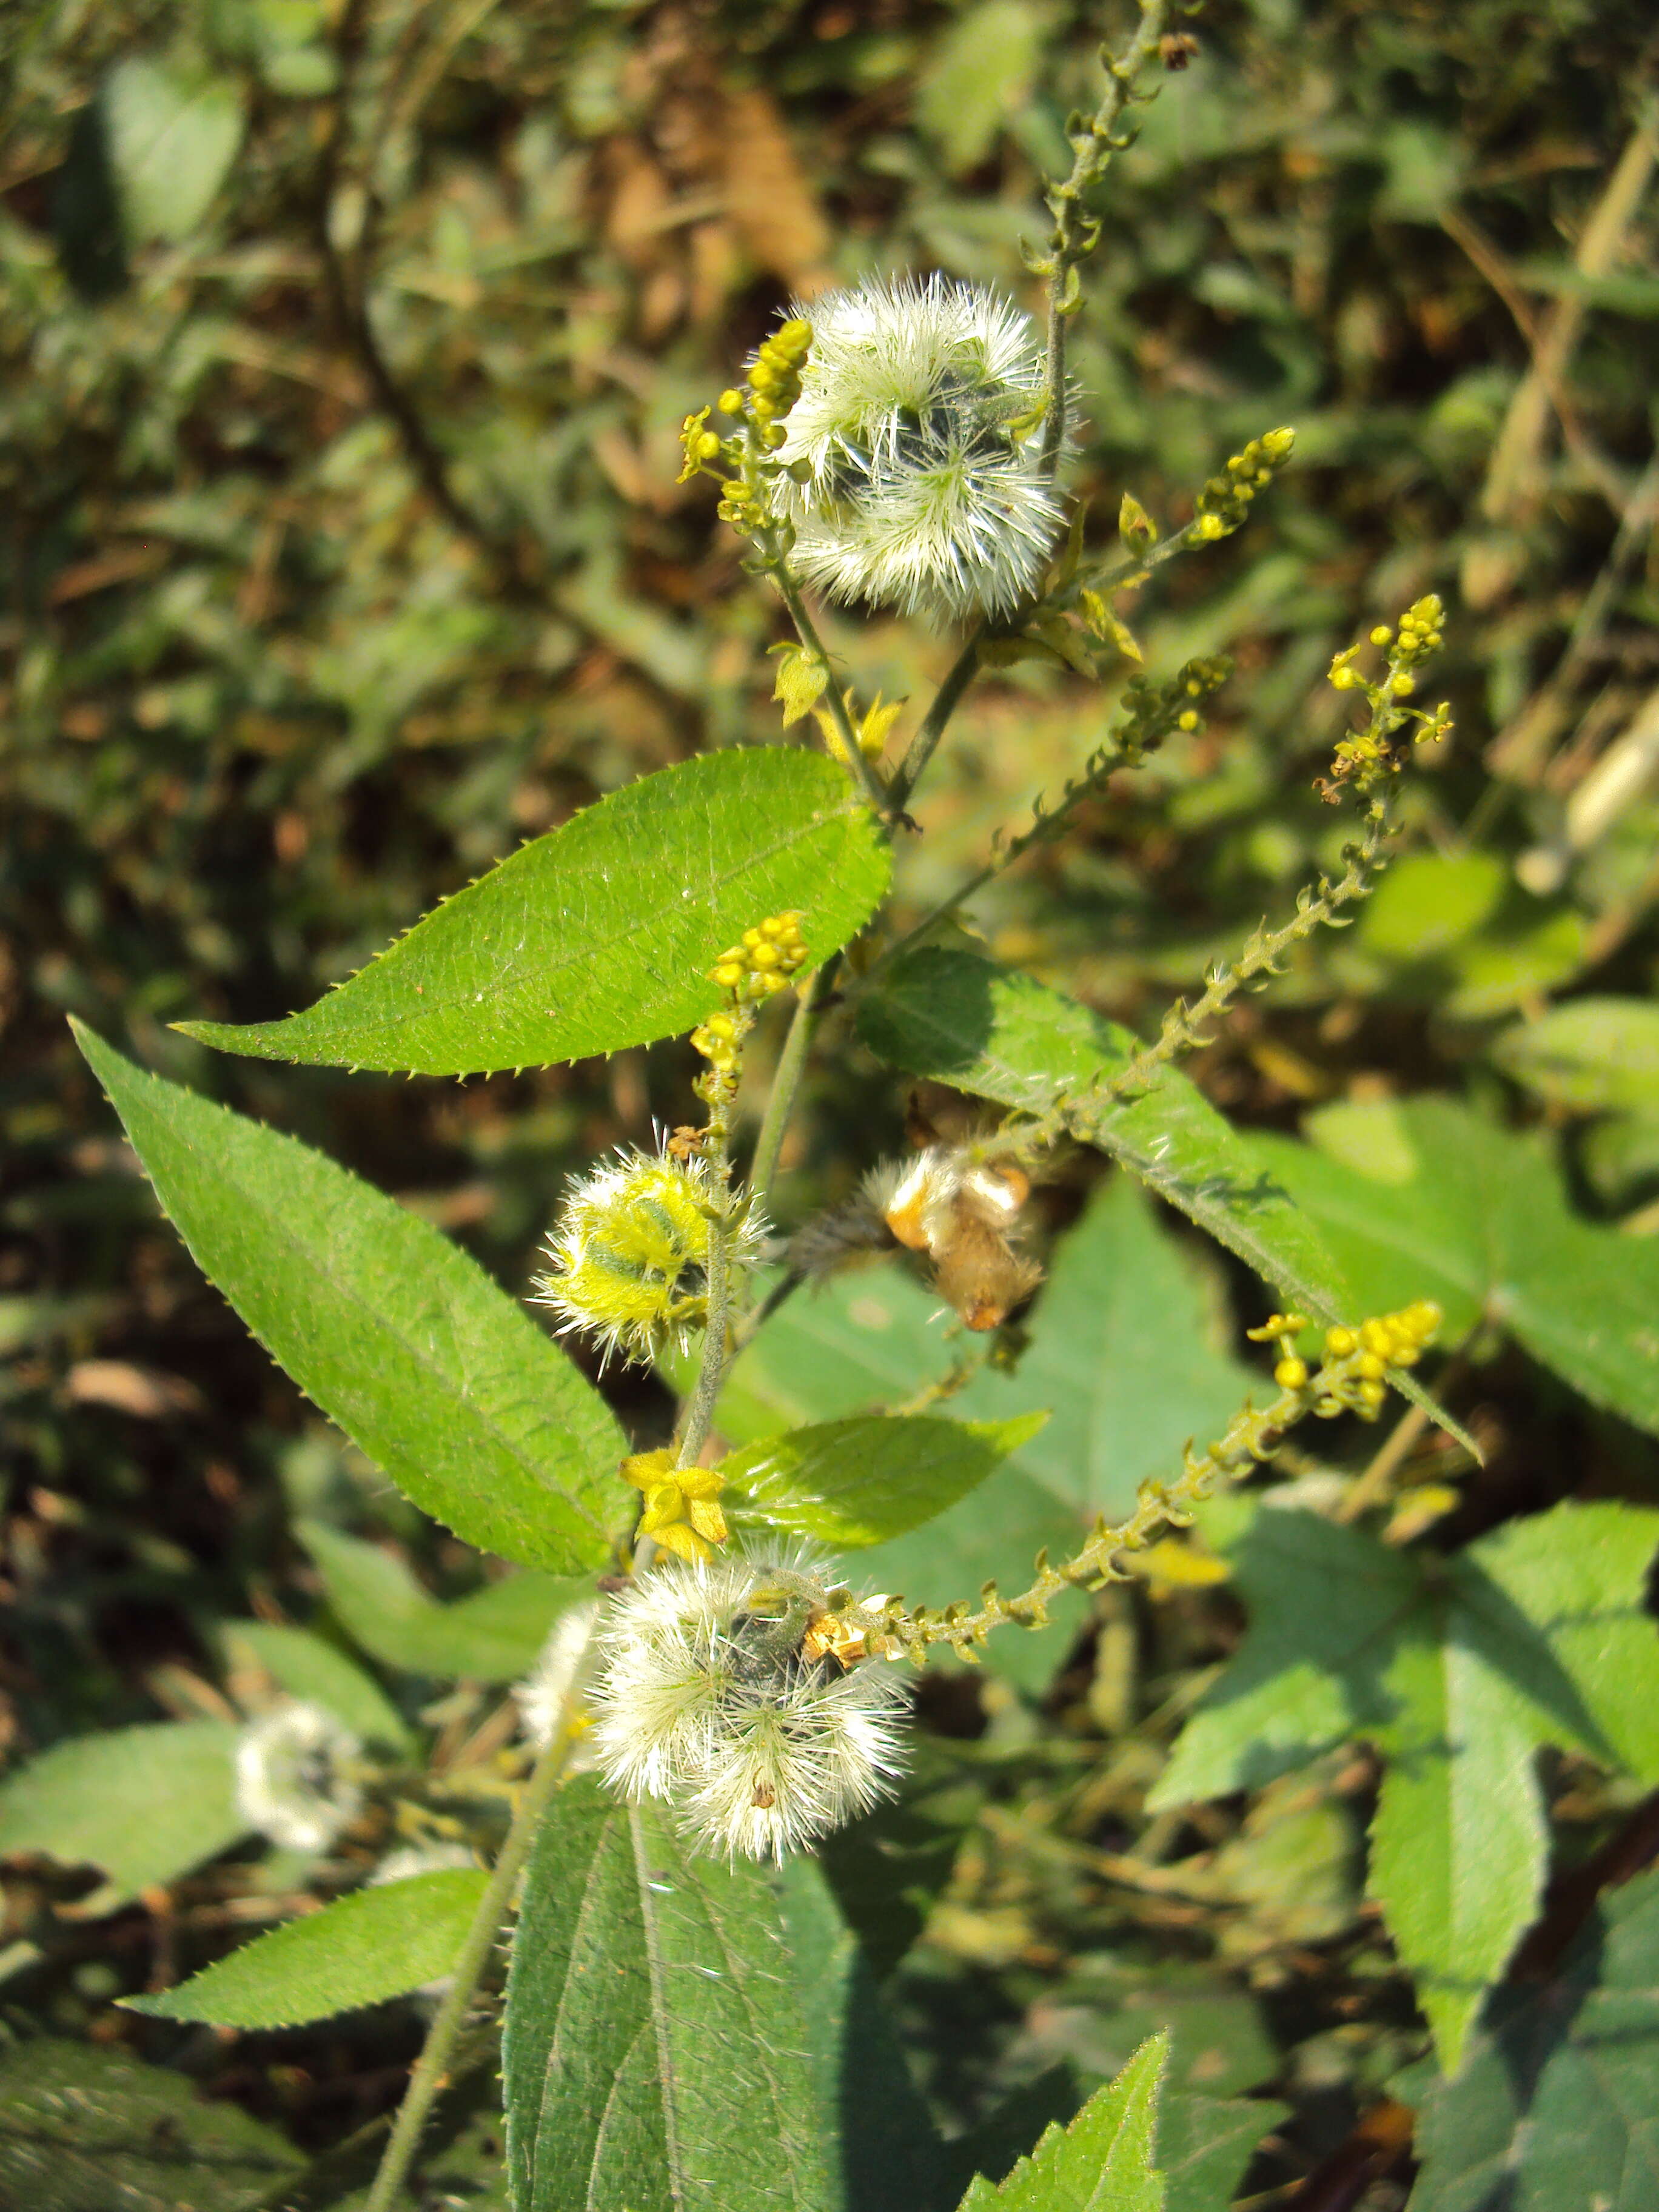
(681, 1511)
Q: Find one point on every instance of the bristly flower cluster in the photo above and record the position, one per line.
(736, 1693)
(542, 1695)
(293, 1782)
(629, 1253)
(913, 471)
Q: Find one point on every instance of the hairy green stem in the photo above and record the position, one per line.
(700, 1407)
(786, 1080)
(946, 700)
(1184, 1027)
(1074, 236)
(431, 2072)
(1339, 1385)
(789, 592)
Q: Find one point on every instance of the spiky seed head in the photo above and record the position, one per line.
(541, 1696)
(911, 465)
(707, 1698)
(629, 1252)
(294, 1782)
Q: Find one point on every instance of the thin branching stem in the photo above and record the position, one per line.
(1339, 1385)
(1094, 141)
(698, 1417)
(1184, 1027)
(946, 700)
(432, 2068)
(786, 1078)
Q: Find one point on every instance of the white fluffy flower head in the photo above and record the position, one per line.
(541, 1696)
(293, 1778)
(918, 428)
(725, 1690)
(629, 1250)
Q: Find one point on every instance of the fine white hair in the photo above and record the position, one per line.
(918, 431)
(710, 1706)
(541, 1694)
(291, 1779)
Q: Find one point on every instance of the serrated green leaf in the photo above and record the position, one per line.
(360, 1950)
(1459, 1672)
(882, 2148)
(142, 1804)
(491, 1635)
(653, 2051)
(172, 141)
(602, 934)
(858, 1482)
(1591, 1055)
(1555, 2105)
(427, 1365)
(310, 1668)
(1103, 2162)
(1426, 1199)
(86, 2130)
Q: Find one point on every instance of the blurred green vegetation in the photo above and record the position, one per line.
(343, 352)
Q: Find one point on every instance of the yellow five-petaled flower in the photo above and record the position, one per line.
(681, 1511)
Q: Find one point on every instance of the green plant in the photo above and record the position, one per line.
(684, 904)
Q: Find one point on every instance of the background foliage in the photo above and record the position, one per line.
(344, 349)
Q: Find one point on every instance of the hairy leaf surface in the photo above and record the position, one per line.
(87, 2130)
(427, 1365)
(144, 1804)
(654, 2051)
(1006, 1036)
(602, 934)
(359, 1950)
(1555, 2104)
(1103, 2162)
(1427, 1193)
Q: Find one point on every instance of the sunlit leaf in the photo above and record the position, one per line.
(360, 1950)
(450, 1388)
(602, 934)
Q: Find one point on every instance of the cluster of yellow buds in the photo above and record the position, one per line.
(755, 968)
(1352, 1374)
(1369, 753)
(1149, 711)
(682, 1512)
(774, 381)
(1224, 503)
(701, 447)
(764, 960)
